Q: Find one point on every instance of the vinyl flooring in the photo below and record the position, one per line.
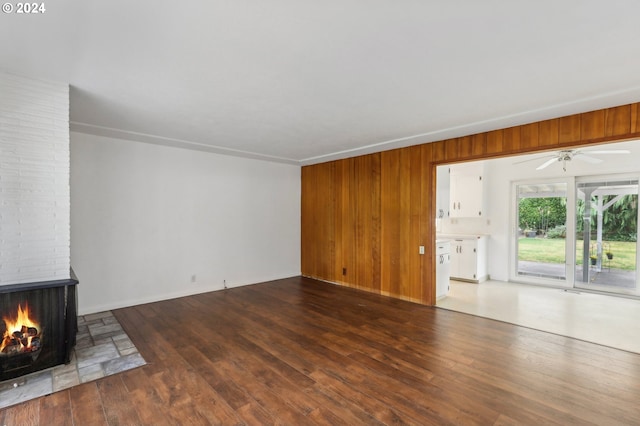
(598, 318)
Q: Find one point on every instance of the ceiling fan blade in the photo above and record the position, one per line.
(536, 158)
(607, 151)
(586, 158)
(547, 163)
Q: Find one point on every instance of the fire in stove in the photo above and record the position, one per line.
(21, 336)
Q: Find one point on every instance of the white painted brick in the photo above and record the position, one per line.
(34, 180)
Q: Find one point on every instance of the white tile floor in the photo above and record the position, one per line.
(606, 320)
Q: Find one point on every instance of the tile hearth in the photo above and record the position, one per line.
(103, 348)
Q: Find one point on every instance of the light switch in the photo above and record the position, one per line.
(421, 249)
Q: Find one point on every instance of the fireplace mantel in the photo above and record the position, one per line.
(12, 288)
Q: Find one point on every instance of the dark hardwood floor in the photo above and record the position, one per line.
(299, 351)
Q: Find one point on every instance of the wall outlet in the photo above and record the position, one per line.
(421, 249)
(193, 278)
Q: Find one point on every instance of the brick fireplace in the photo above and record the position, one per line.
(37, 289)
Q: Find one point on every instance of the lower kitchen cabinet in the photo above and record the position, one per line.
(469, 259)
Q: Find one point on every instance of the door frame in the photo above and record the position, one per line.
(571, 238)
(595, 287)
(568, 281)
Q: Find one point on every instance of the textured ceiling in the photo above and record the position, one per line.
(309, 81)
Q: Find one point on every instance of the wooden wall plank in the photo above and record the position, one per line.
(569, 129)
(617, 121)
(529, 136)
(478, 145)
(415, 177)
(635, 118)
(439, 151)
(402, 283)
(376, 220)
(451, 149)
(548, 133)
(341, 219)
(494, 142)
(465, 147)
(592, 125)
(368, 239)
(390, 220)
(326, 234)
(427, 225)
(511, 139)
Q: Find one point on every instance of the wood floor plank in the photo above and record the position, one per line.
(118, 408)
(300, 351)
(145, 399)
(24, 414)
(56, 408)
(86, 405)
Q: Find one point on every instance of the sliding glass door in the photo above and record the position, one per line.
(594, 247)
(541, 237)
(606, 235)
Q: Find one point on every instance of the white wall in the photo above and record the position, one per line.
(34, 180)
(145, 219)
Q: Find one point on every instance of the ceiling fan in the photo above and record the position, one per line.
(569, 154)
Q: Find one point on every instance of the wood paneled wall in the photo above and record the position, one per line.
(364, 218)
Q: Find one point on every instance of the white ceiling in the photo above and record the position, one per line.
(309, 81)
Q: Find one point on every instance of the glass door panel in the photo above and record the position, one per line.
(542, 227)
(606, 235)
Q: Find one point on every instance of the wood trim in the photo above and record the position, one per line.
(372, 212)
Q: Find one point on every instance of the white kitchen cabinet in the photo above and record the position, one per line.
(442, 192)
(469, 258)
(466, 197)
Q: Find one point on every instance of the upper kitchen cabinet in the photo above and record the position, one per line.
(467, 190)
(442, 192)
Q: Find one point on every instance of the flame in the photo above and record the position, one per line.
(23, 320)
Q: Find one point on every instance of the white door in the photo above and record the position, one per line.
(542, 232)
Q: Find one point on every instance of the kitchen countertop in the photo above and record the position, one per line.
(441, 237)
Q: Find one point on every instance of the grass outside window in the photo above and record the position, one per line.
(553, 251)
